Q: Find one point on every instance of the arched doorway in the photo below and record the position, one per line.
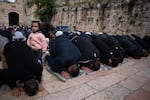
(13, 18)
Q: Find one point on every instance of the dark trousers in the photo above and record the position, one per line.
(38, 55)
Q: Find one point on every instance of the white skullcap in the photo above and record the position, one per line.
(79, 33)
(100, 33)
(58, 33)
(88, 33)
(19, 35)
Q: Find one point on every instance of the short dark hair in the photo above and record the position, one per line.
(96, 65)
(31, 87)
(38, 22)
(93, 65)
(73, 70)
(115, 61)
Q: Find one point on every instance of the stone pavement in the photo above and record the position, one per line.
(129, 81)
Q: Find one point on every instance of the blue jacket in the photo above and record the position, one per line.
(63, 54)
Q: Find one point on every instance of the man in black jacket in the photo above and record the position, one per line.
(64, 57)
(142, 43)
(114, 46)
(23, 67)
(131, 48)
(146, 39)
(107, 55)
(90, 54)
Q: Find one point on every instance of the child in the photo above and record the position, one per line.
(37, 41)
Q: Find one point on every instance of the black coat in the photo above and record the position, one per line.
(88, 51)
(146, 39)
(131, 47)
(142, 43)
(22, 64)
(63, 54)
(113, 44)
(103, 48)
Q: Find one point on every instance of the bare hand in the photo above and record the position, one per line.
(65, 74)
(110, 62)
(16, 92)
(85, 69)
(41, 88)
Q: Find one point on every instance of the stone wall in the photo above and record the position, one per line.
(26, 14)
(111, 16)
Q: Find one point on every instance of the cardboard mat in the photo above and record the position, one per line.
(62, 78)
(103, 67)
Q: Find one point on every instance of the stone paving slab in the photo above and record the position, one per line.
(47, 77)
(147, 86)
(134, 82)
(139, 95)
(57, 85)
(6, 95)
(115, 92)
(106, 81)
(74, 93)
(145, 73)
(125, 81)
(134, 68)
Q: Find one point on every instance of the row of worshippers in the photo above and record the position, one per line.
(68, 53)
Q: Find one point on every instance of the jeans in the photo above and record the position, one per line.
(39, 55)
